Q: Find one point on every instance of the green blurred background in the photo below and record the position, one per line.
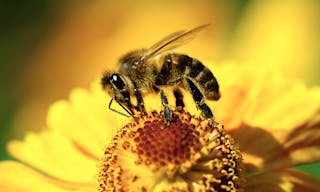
(50, 46)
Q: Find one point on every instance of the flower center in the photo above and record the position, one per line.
(189, 154)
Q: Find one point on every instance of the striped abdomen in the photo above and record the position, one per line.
(192, 72)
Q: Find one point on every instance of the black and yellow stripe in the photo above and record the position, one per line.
(194, 70)
(195, 77)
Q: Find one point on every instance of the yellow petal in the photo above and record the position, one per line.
(301, 146)
(86, 119)
(55, 155)
(275, 121)
(262, 151)
(257, 146)
(279, 106)
(282, 181)
(235, 82)
(263, 98)
(18, 177)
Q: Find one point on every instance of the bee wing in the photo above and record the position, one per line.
(172, 41)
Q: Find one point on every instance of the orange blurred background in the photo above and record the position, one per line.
(51, 46)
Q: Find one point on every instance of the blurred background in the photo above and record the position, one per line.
(48, 47)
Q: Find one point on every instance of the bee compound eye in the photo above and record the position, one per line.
(117, 81)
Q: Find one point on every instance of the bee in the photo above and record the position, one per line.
(151, 70)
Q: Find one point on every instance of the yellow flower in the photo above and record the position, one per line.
(85, 147)
(189, 154)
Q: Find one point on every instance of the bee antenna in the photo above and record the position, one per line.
(119, 112)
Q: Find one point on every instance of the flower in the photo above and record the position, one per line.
(274, 122)
(189, 154)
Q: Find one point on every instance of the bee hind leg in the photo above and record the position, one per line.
(199, 99)
(205, 110)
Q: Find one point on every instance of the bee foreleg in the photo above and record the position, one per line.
(179, 98)
(140, 101)
(199, 99)
(127, 100)
(164, 101)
